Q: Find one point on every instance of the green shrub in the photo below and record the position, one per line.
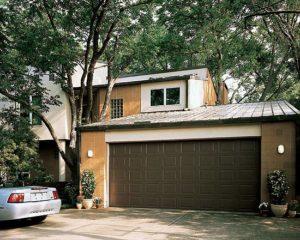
(278, 187)
(88, 183)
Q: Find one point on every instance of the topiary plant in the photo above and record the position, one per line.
(88, 183)
(278, 187)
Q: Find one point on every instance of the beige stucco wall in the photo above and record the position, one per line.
(274, 134)
(94, 141)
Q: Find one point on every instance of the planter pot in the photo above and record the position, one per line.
(78, 205)
(99, 205)
(292, 214)
(279, 210)
(87, 203)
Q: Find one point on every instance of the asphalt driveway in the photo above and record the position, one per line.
(139, 224)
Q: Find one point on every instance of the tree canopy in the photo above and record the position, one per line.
(253, 44)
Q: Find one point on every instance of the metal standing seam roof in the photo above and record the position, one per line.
(230, 113)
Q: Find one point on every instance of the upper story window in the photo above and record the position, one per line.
(157, 97)
(165, 96)
(33, 118)
(116, 108)
(172, 96)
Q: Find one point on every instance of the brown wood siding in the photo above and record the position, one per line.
(210, 96)
(225, 99)
(274, 134)
(131, 96)
(94, 141)
(209, 175)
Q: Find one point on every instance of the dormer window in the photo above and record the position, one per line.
(157, 97)
(173, 96)
(165, 96)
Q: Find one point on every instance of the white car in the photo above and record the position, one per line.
(28, 202)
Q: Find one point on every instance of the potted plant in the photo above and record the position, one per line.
(264, 209)
(293, 207)
(78, 204)
(278, 190)
(97, 201)
(88, 185)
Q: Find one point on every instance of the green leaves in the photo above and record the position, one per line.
(18, 146)
(278, 186)
(88, 183)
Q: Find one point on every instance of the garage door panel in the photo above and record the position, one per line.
(226, 147)
(226, 175)
(172, 147)
(169, 202)
(136, 175)
(169, 188)
(247, 190)
(207, 188)
(154, 162)
(154, 175)
(207, 147)
(170, 162)
(154, 148)
(135, 201)
(226, 162)
(211, 175)
(136, 163)
(137, 188)
(206, 161)
(170, 176)
(227, 189)
(186, 202)
(207, 175)
(188, 147)
(135, 148)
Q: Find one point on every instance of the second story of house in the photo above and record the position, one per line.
(164, 91)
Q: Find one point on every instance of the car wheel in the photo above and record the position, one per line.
(38, 219)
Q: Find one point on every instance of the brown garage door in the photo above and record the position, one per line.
(210, 175)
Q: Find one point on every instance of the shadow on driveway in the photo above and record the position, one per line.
(131, 223)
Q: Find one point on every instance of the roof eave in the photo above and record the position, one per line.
(200, 123)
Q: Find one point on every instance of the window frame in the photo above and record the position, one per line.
(119, 104)
(165, 89)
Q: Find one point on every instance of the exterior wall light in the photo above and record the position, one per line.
(280, 149)
(90, 153)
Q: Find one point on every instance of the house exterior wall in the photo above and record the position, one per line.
(225, 95)
(210, 96)
(271, 134)
(274, 134)
(131, 96)
(59, 116)
(195, 93)
(95, 141)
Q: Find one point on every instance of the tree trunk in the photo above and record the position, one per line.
(89, 90)
(109, 89)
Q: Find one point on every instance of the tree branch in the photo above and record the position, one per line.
(69, 163)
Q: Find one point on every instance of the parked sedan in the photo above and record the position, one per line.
(28, 202)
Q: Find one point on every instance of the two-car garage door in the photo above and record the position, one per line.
(210, 175)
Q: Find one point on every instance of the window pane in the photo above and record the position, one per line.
(157, 97)
(116, 108)
(173, 96)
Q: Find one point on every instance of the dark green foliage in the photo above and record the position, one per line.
(278, 186)
(18, 147)
(88, 183)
